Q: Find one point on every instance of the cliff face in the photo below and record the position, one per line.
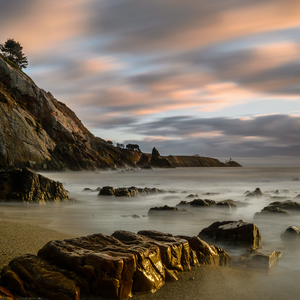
(38, 131)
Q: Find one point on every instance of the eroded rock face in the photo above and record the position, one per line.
(115, 266)
(26, 185)
(237, 233)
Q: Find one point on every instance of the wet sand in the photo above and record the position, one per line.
(203, 283)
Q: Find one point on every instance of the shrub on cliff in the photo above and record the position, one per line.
(13, 51)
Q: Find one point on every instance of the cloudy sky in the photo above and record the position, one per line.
(218, 78)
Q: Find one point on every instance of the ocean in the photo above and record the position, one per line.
(90, 213)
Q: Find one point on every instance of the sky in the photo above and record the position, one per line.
(218, 78)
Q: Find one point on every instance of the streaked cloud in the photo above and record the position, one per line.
(218, 76)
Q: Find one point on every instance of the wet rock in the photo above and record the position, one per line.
(288, 205)
(272, 210)
(26, 185)
(107, 191)
(278, 197)
(256, 193)
(210, 194)
(203, 202)
(165, 211)
(237, 233)
(115, 266)
(260, 258)
(122, 192)
(192, 196)
(6, 294)
(292, 233)
(41, 279)
(296, 179)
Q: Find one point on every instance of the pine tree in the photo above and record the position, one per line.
(13, 51)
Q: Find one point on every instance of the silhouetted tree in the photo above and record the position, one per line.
(13, 51)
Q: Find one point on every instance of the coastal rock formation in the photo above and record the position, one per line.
(197, 161)
(256, 193)
(128, 192)
(164, 211)
(115, 266)
(26, 185)
(39, 132)
(237, 233)
(230, 204)
(284, 208)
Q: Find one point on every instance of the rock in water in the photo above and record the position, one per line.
(292, 233)
(234, 233)
(26, 185)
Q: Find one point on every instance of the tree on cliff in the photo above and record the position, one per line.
(13, 51)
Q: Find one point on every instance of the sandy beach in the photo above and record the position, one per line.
(205, 282)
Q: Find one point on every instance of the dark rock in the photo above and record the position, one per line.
(298, 196)
(210, 194)
(107, 191)
(41, 279)
(6, 294)
(288, 205)
(256, 193)
(26, 185)
(292, 233)
(278, 197)
(192, 196)
(122, 192)
(203, 202)
(296, 179)
(260, 258)
(165, 211)
(155, 153)
(237, 233)
(269, 210)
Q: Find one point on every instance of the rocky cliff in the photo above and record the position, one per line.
(199, 161)
(38, 131)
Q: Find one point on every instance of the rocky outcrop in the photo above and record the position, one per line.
(230, 204)
(37, 130)
(165, 211)
(197, 161)
(279, 208)
(26, 185)
(128, 192)
(256, 193)
(237, 233)
(115, 266)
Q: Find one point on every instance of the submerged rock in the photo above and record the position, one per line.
(26, 185)
(292, 233)
(166, 211)
(237, 233)
(272, 210)
(260, 258)
(256, 193)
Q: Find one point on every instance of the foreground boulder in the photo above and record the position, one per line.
(26, 185)
(115, 266)
(237, 233)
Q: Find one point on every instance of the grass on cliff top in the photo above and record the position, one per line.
(16, 67)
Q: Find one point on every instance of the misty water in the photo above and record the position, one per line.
(90, 213)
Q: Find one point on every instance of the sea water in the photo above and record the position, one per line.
(90, 213)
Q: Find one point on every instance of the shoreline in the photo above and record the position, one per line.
(205, 282)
